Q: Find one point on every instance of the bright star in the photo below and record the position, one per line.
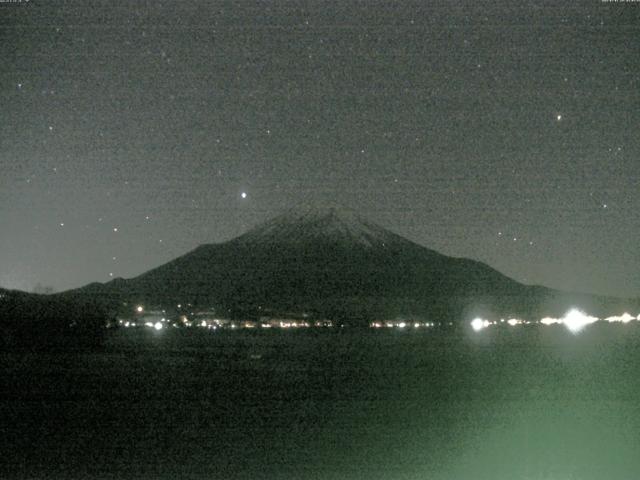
(243, 194)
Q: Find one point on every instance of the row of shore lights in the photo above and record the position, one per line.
(575, 320)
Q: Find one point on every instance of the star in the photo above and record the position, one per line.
(243, 194)
(62, 224)
(115, 229)
(558, 117)
(50, 128)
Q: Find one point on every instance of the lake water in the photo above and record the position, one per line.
(520, 403)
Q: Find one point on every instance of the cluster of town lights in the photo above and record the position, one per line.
(575, 320)
(401, 324)
(159, 320)
(224, 324)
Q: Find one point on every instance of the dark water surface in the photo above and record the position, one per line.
(526, 403)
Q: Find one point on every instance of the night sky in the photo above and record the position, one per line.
(132, 132)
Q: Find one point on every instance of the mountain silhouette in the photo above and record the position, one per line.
(333, 263)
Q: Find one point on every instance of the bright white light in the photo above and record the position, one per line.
(514, 321)
(139, 309)
(416, 325)
(575, 320)
(203, 323)
(624, 318)
(243, 194)
(478, 324)
(158, 326)
(550, 321)
(402, 325)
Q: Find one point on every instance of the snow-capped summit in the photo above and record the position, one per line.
(333, 224)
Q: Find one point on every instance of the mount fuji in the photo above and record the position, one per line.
(333, 263)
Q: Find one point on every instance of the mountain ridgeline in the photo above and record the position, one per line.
(330, 263)
(31, 321)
